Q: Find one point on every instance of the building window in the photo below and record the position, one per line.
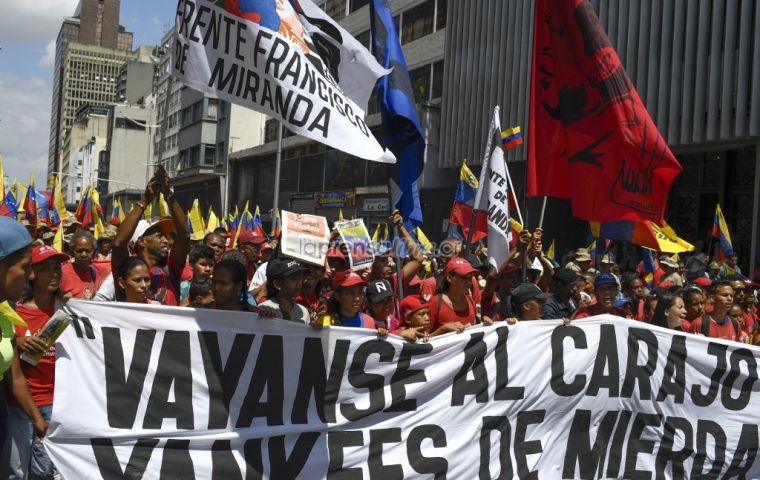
(212, 109)
(364, 38)
(208, 155)
(440, 21)
(356, 5)
(437, 87)
(312, 170)
(421, 83)
(418, 22)
(335, 9)
(343, 171)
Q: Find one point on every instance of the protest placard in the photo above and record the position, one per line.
(305, 237)
(157, 391)
(358, 242)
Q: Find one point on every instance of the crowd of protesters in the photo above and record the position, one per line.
(155, 262)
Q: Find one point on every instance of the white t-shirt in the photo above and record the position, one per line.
(259, 277)
(299, 313)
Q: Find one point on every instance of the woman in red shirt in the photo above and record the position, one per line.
(27, 455)
(453, 309)
(134, 282)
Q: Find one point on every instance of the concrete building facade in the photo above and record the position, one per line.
(81, 149)
(90, 49)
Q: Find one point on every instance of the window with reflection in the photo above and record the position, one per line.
(343, 171)
(418, 22)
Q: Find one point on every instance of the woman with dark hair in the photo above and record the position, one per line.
(344, 309)
(670, 311)
(453, 309)
(38, 304)
(229, 284)
(694, 301)
(134, 282)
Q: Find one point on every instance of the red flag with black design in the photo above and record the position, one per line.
(591, 140)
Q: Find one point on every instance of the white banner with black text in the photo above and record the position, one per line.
(165, 392)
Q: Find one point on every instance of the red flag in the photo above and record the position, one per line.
(590, 138)
(461, 214)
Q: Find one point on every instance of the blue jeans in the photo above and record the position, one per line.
(27, 454)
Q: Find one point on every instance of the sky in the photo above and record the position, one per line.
(28, 29)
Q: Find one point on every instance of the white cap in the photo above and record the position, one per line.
(167, 225)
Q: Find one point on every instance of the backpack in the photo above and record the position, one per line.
(706, 326)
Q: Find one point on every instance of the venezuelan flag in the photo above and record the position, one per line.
(9, 207)
(277, 228)
(720, 232)
(511, 138)
(118, 213)
(212, 221)
(195, 219)
(467, 185)
(30, 203)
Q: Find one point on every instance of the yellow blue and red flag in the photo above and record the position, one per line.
(277, 227)
(511, 138)
(212, 221)
(118, 213)
(462, 208)
(30, 203)
(724, 248)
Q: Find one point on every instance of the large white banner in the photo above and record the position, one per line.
(295, 64)
(162, 392)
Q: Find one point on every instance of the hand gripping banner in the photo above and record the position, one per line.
(163, 392)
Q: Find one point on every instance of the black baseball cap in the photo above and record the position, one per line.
(379, 290)
(527, 291)
(284, 267)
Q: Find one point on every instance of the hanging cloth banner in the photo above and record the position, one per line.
(268, 57)
(163, 392)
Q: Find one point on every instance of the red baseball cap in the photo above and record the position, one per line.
(347, 278)
(411, 304)
(702, 282)
(250, 236)
(459, 266)
(40, 253)
(266, 247)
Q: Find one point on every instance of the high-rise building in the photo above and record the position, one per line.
(90, 50)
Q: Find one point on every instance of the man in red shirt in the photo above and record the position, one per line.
(720, 326)
(81, 278)
(249, 243)
(151, 243)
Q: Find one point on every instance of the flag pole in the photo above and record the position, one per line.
(277, 172)
(514, 194)
(543, 211)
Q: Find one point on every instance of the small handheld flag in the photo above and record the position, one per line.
(511, 138)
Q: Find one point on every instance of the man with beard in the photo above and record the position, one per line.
(150, 241)
(605, 289)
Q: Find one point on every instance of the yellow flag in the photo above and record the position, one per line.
(423, 239)
(58, 239)
(381, 233)
(550, 253)
(163, 207)
(19, 191)
(97, 219)
(466, 175)
(516, 226)
(668, 239)
(148, 214)
(243, 217)
(196, 221)
(58, 203)
(212, 222)
(340, 214)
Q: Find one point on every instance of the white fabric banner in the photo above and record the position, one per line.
(301, 67)
(164, 392)
(494, 199)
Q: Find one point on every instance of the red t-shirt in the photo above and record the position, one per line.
(83, 284)
(41, 377)
(725, 331)
(447, 314)
(596, 309)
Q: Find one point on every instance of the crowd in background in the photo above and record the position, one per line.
(155, 262)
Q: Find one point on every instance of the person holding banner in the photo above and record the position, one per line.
(15, 271)
(415, 320)
(39, 303)
(382, 304)
(229, 284)
(605, 291)
(344, 309)
(453, 309)
(285, 278)
(134, 282)
(382, 268)
(670, 311)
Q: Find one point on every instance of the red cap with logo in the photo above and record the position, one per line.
(460, 266)
(40, 253)
(347, 278)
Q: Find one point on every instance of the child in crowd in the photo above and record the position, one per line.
(382, 305)
(202, 263)
(345, 307)
(199, 294)
(229, 284)
(415, 323)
